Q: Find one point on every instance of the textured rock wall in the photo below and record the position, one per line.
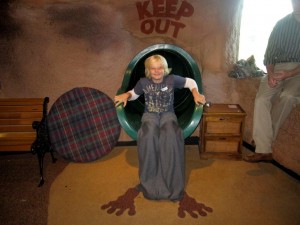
(286, 146)
(50, 47)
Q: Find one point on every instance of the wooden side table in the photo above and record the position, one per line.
(221, 133)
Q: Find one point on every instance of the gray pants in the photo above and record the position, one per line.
(161, 157)
(268, 117)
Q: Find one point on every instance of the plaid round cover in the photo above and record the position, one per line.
(83, 125)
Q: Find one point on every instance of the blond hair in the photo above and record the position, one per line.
(156, 58)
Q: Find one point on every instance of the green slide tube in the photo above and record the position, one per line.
(187, 112)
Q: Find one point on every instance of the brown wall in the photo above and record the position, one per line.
(50, 47)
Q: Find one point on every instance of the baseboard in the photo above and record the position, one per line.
(193, 140)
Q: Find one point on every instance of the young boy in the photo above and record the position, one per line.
(160, 140)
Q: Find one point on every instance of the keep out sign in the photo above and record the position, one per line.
(163, 16)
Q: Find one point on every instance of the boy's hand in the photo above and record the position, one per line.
(122, 98)
(198, 98)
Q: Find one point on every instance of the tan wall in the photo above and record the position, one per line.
(50, 47)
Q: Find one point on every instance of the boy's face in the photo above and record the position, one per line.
(156, 71)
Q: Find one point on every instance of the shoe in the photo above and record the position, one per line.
(258, 157)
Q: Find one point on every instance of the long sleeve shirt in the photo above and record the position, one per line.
(159, 97)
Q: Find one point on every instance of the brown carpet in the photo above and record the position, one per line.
(239, 193)
(21, 201)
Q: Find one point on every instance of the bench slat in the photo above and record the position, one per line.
(26, 108)
(21, 101)
(14, 115)
(19, 135)
(17, 138)
(11, 128)
(18, 121)
(15, 148)
(28, 141)
(16, 141)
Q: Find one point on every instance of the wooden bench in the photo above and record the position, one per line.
(23, 127)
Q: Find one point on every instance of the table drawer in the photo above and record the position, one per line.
(222, 144)
(223, 125)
